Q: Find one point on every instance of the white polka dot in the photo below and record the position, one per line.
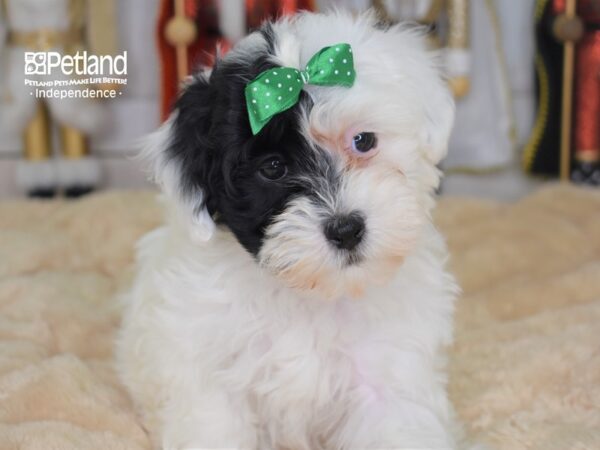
(254, 89)
(289, 76)
(322, 72)
(279, 98)
(290, 89)
(254, 101)
(337, 49)
(348, 73)
(267, 81)
(350, 50)
(345, 61)
(336, 71)
(278, 85)
(330, 59)
(298, 80)
(266, 106)
(268, 94)
(274, 73)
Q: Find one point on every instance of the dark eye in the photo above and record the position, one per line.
(273, 169)
(363, 142)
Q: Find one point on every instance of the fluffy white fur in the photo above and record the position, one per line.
(84, 171)
(220, 350)
(36, 174)
(62, 172)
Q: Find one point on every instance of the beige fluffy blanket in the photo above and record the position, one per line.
(524, 373)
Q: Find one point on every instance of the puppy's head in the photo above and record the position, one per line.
(332, 193)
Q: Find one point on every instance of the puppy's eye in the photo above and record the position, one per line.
(273, 169)
(364, 142)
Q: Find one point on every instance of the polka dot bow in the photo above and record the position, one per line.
(278, 89)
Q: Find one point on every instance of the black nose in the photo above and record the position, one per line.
(345, 232)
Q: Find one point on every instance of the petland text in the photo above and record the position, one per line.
(82, 63)
(82, 75)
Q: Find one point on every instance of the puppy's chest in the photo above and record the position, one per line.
(316, 353)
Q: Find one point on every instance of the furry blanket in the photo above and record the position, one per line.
(524, 373)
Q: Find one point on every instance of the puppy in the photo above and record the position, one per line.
(297, 297)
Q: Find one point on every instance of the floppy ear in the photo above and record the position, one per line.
(177, 155)
(439, 120)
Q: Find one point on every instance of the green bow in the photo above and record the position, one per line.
(278, 89)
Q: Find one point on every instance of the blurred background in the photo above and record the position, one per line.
(524, 73)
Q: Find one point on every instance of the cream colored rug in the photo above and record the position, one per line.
(525, 371)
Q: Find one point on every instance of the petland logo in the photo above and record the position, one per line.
(66, 76)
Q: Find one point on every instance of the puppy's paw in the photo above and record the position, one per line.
(193, 437)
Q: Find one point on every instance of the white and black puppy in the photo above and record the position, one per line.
(297, 297)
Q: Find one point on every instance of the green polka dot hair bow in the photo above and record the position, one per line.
(278, 89)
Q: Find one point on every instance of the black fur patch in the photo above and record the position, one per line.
(219, 157)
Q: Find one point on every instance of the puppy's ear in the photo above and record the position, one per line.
(178, 156)
(439, 120)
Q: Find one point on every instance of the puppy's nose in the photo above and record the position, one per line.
(345, 232)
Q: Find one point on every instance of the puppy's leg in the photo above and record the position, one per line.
(206, 420)
(396, 424)
(180, 410)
